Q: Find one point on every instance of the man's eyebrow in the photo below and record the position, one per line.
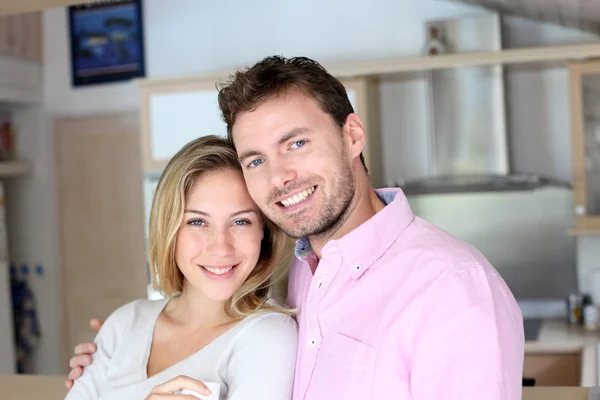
(246, 154)
(294, 132)
(287, 136)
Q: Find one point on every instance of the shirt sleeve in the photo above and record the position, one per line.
(92, 382)
(263, 361)
(470, 342)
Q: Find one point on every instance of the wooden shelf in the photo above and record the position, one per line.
(11, 169)
(584, 231)
(544, 56)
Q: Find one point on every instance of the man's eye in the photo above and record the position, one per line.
(255, 163)
(298, 143)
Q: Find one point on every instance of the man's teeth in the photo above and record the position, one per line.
(290, 201)
(218, 271)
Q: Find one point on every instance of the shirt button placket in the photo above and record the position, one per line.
(322, 279)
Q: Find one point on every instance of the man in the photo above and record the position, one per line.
(390, 305)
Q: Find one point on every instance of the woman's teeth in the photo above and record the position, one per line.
(290, 201)
(218, 271)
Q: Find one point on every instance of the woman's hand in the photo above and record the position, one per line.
(169, 389)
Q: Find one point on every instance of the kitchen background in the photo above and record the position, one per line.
(526, 111)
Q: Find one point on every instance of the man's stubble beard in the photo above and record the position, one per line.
(335, 210)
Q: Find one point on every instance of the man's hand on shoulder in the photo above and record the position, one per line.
(83, 355)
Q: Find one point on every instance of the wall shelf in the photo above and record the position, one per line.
(543, 56)
(11, 169)
(584, 232)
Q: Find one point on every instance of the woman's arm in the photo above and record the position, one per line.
(263, 362)
(93, 381)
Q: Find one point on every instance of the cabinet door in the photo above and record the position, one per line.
(20, 36)
(585, 119)
(175, 115)
(364, 95)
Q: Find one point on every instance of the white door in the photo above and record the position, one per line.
(100, 195)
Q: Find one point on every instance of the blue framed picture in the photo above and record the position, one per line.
(107, 42)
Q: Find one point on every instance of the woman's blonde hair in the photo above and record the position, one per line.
(205, 155)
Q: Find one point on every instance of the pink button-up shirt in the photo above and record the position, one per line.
(399, 309)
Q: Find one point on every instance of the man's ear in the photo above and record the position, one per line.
(354, 135)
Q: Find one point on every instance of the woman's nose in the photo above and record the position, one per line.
(220, 244)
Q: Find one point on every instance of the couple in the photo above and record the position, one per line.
(386, 304)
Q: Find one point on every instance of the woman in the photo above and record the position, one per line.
(213, 256)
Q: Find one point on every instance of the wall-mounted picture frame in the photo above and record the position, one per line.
(107, 42)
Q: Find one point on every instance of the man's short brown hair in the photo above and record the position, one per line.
(275, 75)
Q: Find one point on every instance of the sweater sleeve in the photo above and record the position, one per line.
(92, 382)
(263, 361)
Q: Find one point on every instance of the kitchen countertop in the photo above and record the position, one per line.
(32, 387)
(35, 387)
(555, 393)
(557, 336)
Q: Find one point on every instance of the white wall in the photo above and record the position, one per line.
(191, 36)
(33, 232)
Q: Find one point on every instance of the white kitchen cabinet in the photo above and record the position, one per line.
(20, 81)
(20, 58)
(173, 114)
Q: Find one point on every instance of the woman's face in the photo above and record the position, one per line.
(218, 242)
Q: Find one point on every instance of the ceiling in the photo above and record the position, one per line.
(581, 14)
(21, 6)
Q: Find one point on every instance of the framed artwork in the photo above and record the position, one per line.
(107, 42)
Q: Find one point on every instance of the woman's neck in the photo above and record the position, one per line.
(194, 310)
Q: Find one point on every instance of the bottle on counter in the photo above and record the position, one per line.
(575, 308)
(590, 317)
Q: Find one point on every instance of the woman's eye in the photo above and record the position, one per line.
(255, 163)
(298, 144)
(197, 222)
(241, 222)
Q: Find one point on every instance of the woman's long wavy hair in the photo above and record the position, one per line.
(201, 156)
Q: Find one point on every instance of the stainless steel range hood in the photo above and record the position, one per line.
(469, 148)
(478, 183)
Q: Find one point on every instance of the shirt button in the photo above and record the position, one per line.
(313, 342)
(320, 284)
(357, 267)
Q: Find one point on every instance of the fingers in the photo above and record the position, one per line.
(69, 384)
(181, 382)
(96, 324)
(75, 373)
(85, 348)
(80, 361)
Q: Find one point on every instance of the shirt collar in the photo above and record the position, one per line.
(367, 243)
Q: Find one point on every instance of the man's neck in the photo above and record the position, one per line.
(364, 205)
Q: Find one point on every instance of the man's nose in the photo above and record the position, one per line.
(282, 173)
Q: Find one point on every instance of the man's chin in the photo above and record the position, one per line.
(295, 233)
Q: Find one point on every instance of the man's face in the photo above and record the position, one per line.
(297, 164)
